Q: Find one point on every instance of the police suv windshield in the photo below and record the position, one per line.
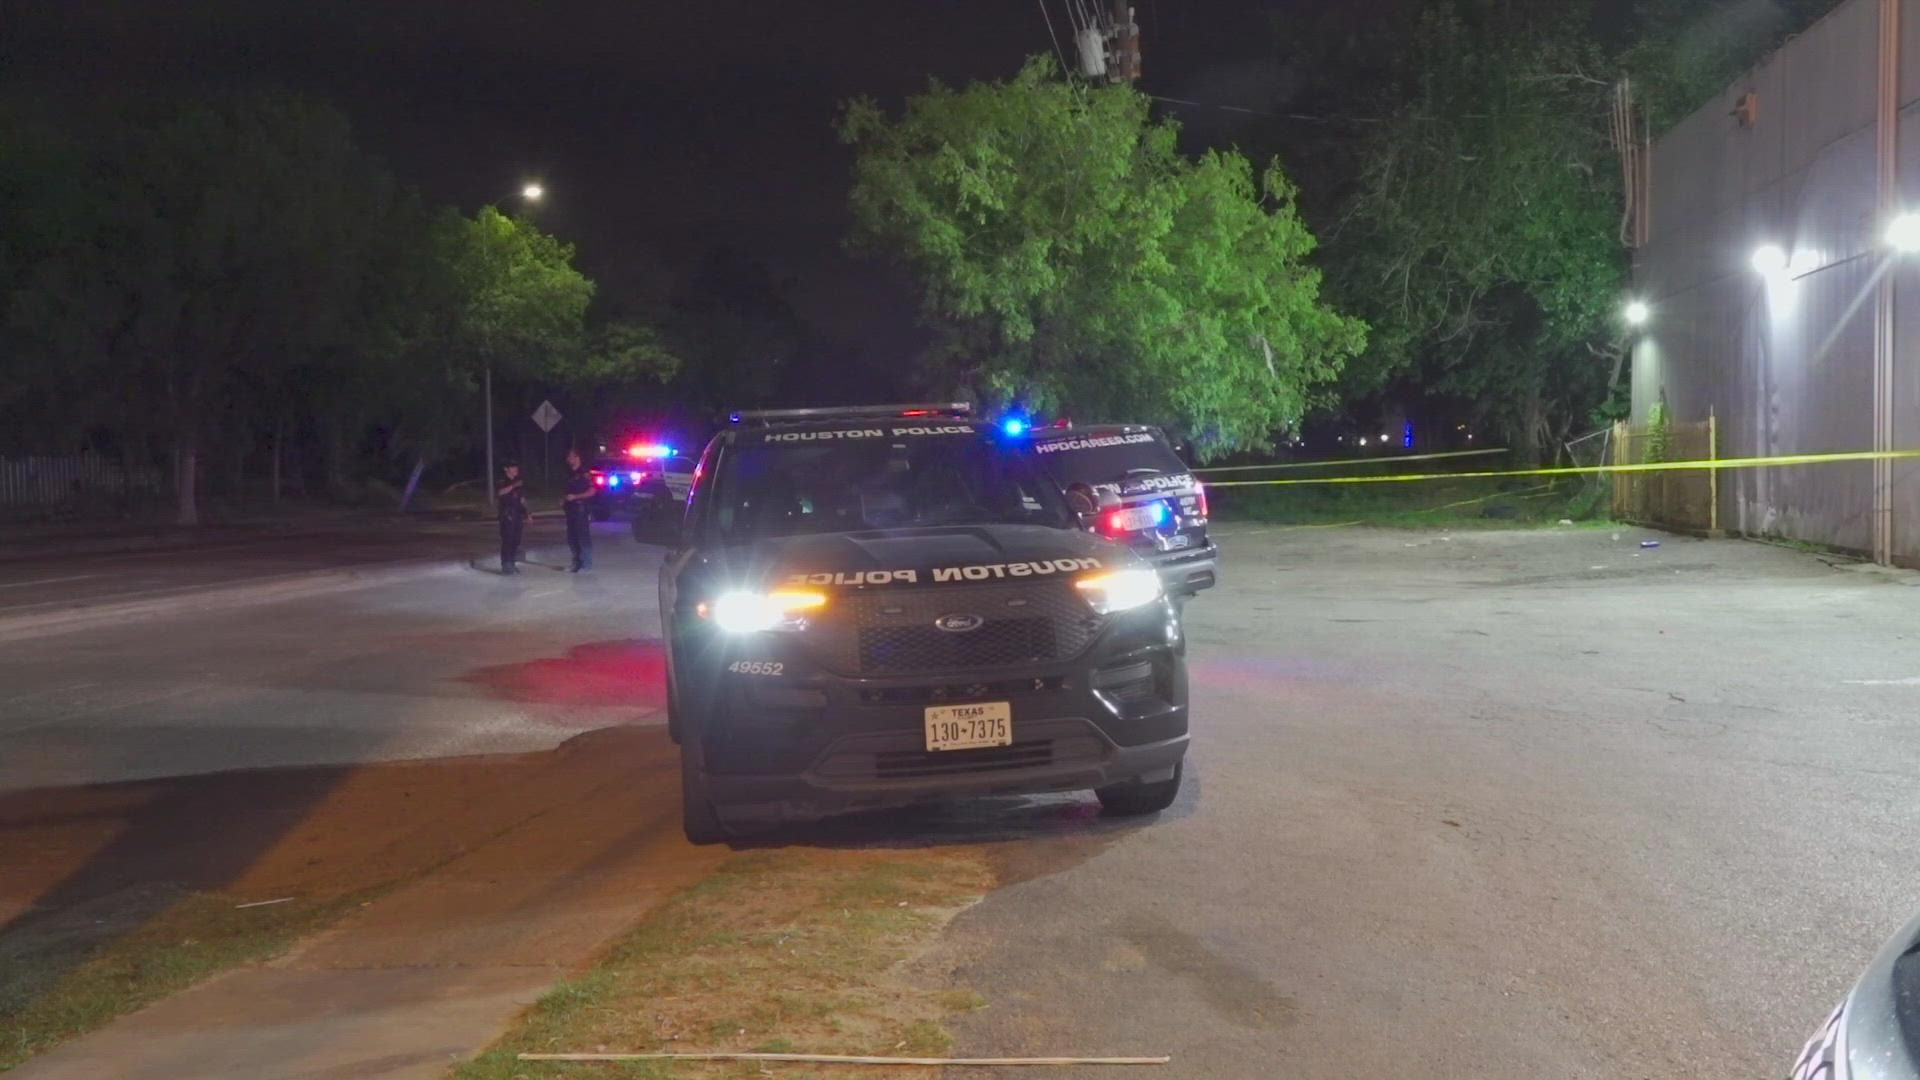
(797, 483)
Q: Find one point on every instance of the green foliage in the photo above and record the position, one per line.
(1481, 237)
(189, 277)
(734, 329)
(1070, 257)
(1688, 51)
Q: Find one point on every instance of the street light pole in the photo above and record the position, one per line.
(487, 382)
(532, 193)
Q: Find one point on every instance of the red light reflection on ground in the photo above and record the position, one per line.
(630, 672)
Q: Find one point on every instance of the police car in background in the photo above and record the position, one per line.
(638, 477)
(871, 607)
(1137, 491)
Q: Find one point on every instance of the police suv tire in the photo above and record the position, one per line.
(1134, 798)
(698, 817)
(673, 714)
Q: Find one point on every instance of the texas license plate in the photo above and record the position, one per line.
(1140, 517)
(969, 727)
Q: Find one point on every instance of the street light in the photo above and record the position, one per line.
(1637, 313)
(533, 193)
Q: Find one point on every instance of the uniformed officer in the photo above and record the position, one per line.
(512, 502)
(579, 512)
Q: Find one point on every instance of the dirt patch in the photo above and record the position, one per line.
(799, 950)
(114, 895)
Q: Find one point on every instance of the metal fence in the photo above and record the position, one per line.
(1683, 499)
(50, 481)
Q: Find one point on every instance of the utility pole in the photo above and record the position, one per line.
(1126, 45)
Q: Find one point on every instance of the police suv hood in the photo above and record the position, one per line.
(926, 556)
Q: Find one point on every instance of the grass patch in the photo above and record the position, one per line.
(794, 951)
(1483, 502)
(63, 982)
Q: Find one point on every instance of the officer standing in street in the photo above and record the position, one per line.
(512, 501)
(579, 512)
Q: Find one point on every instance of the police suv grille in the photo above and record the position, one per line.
(976, 691)
(886, 631)
(907, 764)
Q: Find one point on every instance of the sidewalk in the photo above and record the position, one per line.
(57, 589)
(430, 974)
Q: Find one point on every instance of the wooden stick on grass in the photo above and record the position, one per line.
(838, 1059)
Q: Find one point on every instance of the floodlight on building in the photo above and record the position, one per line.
(1637, 313)
(1770, 260)
(1903, 234)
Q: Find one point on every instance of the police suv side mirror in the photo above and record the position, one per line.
(658, 526)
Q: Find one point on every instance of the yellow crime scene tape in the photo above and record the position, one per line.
(1710, 465)
(1352, 461)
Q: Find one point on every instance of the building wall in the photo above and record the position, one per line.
(1786, 364)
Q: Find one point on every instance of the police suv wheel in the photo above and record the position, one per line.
(1134, 798)
(698, 818)
(673, 715)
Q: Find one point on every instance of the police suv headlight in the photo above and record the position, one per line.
(1120, 590)
(745, 612)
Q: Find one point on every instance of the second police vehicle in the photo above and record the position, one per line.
(871, 607)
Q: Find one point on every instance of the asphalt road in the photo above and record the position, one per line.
(53, 574)
(453, 660)
(1489, 805)
(1494, 805)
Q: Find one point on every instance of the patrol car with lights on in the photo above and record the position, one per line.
(870, 607)
(1136, 491)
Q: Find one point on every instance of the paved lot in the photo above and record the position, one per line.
(1490, 805)
(455, 660)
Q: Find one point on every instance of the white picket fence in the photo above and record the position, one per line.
(49, 481)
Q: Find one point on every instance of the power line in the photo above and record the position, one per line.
(1057, 50)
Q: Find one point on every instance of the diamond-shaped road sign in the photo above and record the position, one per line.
(546, 416)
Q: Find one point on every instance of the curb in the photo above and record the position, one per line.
(216, 597)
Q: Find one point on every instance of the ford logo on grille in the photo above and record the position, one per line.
(959, 623)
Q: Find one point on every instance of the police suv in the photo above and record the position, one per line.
(1135, 490)
(870, 607)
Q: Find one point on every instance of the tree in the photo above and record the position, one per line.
(214, 244)
(732, 322)
(1070, 257)
(1686, 51)
(500, 296)
(1480, 236)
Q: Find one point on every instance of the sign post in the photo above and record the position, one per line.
(546, 416)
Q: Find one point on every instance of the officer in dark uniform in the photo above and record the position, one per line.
(579, 511)
(512, 502)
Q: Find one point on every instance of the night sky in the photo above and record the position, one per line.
(658, 128)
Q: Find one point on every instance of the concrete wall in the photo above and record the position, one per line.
(1787, 364)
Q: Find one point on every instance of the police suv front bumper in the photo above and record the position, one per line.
(809, 742)
(1183, 573)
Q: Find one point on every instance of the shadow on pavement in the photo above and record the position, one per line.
(82, 867)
